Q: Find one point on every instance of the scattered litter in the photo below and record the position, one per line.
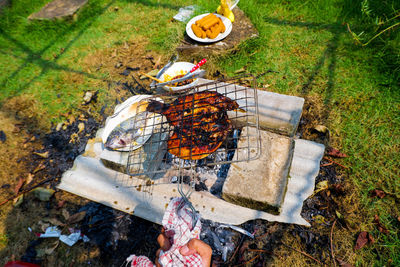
(185, 13)
(238, 229)
(51, 231)
(74, 237)
(70, 239)
(152, 73)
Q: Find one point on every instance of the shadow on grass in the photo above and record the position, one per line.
(329, 54)
(35, 58)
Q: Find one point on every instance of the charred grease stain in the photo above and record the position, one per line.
(212, 209)
(166, 205)
(115, 202)
(139, 188)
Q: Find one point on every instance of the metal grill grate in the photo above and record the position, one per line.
(157, 133)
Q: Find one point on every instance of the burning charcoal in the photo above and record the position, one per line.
(2, 137)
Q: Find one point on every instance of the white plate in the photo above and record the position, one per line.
(129, 109)
(175, 70)
(226, 21)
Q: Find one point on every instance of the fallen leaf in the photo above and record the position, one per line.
(343, 263)
(19, 185)
(319, 219)
(323, 185)
(40, 252)
(65, 214)
(18, 200)
(333, 152)
(363, 239)
(44, 155)
(77, 217)
(72, 119)
(44, 194)
(321, 129)
(29, 179)
(377, 193)
(60, 204)
(59, 126)
(240, 70)
(379, 225)
(81, 127)
(74, 138)
(56, 222)
(40, 167)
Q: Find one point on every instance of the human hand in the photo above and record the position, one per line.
(193, 246)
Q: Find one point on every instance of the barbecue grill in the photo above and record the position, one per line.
(139, 161)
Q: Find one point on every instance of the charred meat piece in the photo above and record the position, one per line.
(200, 123)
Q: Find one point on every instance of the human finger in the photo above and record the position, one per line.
(196, 245)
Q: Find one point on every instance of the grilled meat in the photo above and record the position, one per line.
(200, 123)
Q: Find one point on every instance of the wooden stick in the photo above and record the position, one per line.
(151, 77)
(305, 254)
(328, 159)
(333, 254)
(248, 261)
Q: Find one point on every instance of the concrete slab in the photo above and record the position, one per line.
(58, 9)
(277, 113)
(89, 178)
(261, 183)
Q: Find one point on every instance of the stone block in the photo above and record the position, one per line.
(58, 9)
(260, 184)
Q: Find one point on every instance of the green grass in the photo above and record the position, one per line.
(307, 42)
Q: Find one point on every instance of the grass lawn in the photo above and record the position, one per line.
(306, 42)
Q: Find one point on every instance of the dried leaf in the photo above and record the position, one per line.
(40, 167)
(323, 185)
(44, 155)
(321, 129)
(319, 219)
(55, 221)
(77, 217)
(19, 185)
(44, 194)
(60, 204)
(240, 70)
(333, 152)
(40, 252)
(379, 225)
(29, 179)
(363, 239)
(18, 200)
(65, 214)
(377, 193)
(343, 263)
(81, 127)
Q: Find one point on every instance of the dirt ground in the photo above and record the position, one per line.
(275, 244)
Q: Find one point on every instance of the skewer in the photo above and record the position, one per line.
(151, 77)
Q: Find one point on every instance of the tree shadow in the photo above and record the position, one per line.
(329, 55)
(36, 57)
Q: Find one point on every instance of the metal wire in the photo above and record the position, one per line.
(153, 157)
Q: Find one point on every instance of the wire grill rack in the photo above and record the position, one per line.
(154, 155)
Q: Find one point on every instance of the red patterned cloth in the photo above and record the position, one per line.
(177, 223)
